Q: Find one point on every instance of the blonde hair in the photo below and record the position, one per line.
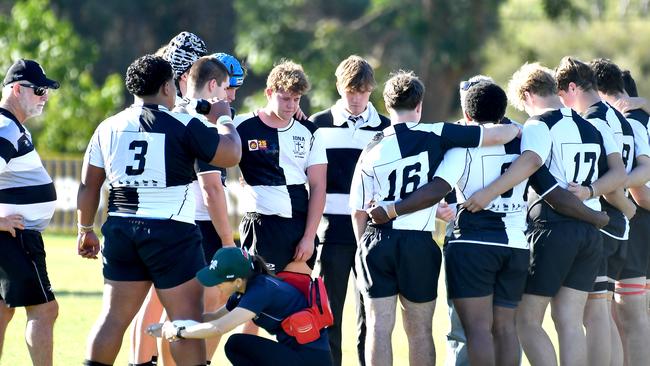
(532, 78)
(288, 76)
(355, 74)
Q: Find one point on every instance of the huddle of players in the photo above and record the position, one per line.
(402, 175)
(587, 239)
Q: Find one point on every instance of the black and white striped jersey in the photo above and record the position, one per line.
(503, 221)
(572, 149)
(200, 167)
(640, 122)
(148, 154)
(344, 137)
(274, 164)
(405, 157)
(25, 187)
(600, 115)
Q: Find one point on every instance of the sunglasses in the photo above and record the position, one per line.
(466, 85)
(39, 91)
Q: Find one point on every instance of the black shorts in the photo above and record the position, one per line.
(391, 262)
(210, 241)
(476, 270)
(638, 247)
(23, 274)
(274, 238)
(614, 253)
(166, 252)
(565, 253)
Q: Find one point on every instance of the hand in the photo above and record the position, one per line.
(445, 212)
(168, 331)
(579, 191)
(304, 250)
(11, 223)
(603, 220)
(478, 201)
(378, 215)
(155, 330)
(218, 108)
(300, 115)
(88, 245)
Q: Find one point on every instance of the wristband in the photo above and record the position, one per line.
(591, 191)
(390, 210)
(178, 332)
(85, 229)
(224, 120)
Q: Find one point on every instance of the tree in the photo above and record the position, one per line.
(591, 30)
(32, 31)
(440, 40)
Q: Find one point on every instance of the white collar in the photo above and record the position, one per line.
(340, 115)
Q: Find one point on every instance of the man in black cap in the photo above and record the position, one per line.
(27, 201)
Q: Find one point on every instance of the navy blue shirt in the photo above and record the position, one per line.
(272, 300)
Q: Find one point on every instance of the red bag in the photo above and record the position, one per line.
(305, 325)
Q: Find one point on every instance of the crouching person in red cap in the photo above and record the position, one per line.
(276, 305)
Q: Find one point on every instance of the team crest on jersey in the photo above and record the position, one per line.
(299, 149)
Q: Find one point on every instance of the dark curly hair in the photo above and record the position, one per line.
(146, 75)
(486, 102)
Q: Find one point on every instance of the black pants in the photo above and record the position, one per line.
(336, 262)
(251, 350)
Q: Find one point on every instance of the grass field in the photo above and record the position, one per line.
(78, 286)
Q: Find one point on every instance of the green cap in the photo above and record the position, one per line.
(227, 264)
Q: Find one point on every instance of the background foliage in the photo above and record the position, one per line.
(89, 44)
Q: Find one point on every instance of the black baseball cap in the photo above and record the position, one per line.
(29, 70)
(227, 264)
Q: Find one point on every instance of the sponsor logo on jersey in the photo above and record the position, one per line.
(253, 145)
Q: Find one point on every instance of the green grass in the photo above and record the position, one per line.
(78, 284)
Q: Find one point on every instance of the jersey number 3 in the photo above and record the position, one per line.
(139, 157)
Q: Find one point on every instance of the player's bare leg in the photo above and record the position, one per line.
(185, 302)
(567, 311)
(597, 321)
(121, 301)
(476, 315)
(417, 319)
(39, 331)
(143, 346)
(534, 340)
(380, 321)
(632, 315)
(6, 313)
(507, 350)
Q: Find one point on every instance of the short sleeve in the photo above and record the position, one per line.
(7, 151)
(543, 181)
(202, 139)
(317, 154)
(536, 137)
(94, 155)
(641, 143)
(452, 166)
(201, 167)
(361, 188)
(454, 135)
(609, 142)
